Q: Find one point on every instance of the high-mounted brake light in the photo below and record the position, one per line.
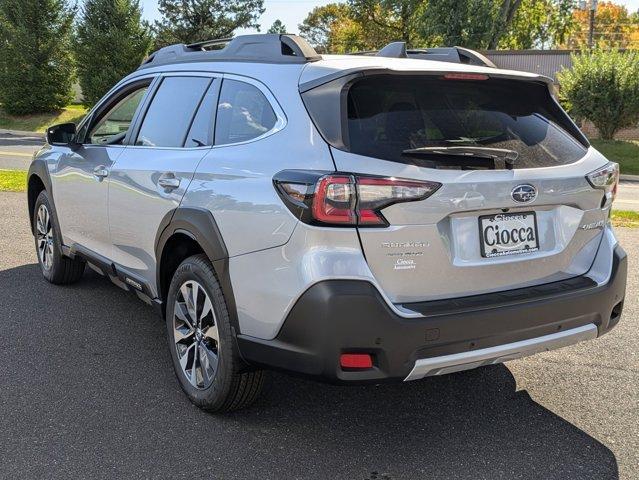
(345, 199)
(465, 76)
(606, 178)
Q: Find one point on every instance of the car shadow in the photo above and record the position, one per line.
(105, 378)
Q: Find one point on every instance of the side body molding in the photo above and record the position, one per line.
(199, 225)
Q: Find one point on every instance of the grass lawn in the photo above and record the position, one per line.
(13, 181)
(39, 122)
(623, 218)
(625, 153)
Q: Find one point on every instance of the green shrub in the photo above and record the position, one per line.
(603, 87)
(36, 69)
(111, 41)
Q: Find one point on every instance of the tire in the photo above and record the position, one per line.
(56, 268)
(205, 357)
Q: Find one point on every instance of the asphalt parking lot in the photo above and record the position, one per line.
(87, 391)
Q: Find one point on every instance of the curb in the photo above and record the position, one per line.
(21, 133)
(629, 178)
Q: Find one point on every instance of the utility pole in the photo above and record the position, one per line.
(591, 29)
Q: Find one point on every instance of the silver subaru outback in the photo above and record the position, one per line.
(359, 218)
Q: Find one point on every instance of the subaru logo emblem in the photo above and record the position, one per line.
(524, 193)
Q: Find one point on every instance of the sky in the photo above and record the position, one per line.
(293, 12)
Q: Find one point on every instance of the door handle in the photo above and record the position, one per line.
(169, 181)
(100, 173)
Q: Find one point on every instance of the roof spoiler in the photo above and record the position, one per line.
(265, 48)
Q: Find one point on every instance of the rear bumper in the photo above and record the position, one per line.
(338, 316)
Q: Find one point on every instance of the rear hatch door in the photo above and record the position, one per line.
(514, 209)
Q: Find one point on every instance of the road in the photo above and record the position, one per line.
(87, 391)
(628, 196)
(16, 150)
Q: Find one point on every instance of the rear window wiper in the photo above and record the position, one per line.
(506, 155)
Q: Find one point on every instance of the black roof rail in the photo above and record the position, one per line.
(441, 54)
(209, 43)
(259, 48)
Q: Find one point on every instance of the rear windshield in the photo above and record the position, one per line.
(392, 117)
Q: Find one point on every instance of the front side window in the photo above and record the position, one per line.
(171, 112)
(243, 113)
(112, 127)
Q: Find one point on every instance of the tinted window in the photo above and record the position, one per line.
(390, 115)
(243, 113)
(169, 116)
(113, 125)
(201, 132)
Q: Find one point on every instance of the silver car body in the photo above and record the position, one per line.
(274, 257)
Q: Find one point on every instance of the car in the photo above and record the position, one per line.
(352, 218)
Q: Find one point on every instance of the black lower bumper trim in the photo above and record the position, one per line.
(337, 316)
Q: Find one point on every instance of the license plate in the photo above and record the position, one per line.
(508, 234)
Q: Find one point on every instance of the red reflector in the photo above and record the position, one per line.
(465, 76)
(356, 360)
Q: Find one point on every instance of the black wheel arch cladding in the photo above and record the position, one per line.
(199, 225)
(38, 174)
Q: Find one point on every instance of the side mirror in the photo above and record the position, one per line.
(63, 134)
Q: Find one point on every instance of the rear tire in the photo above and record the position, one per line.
(205, 357)
(56, 268)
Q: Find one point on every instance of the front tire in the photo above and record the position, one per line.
(56, 268)
(205, 357)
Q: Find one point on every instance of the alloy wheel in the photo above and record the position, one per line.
(44, 236)
(196, 334)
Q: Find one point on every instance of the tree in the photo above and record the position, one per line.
(507, 11)
(277, 27)
(190, 21)
(603, 87)
(357, 25)
(614, 27)
(470, 23)
(110, 42)
(540, 24)
(390, 19)
(320, 26)
(36, 69)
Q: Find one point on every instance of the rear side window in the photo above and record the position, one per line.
(243, 113)
(399, 118)
(171, 112)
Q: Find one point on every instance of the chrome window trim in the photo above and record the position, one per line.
(281, 118)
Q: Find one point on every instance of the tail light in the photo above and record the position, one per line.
(606, 178)
(345, 199)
